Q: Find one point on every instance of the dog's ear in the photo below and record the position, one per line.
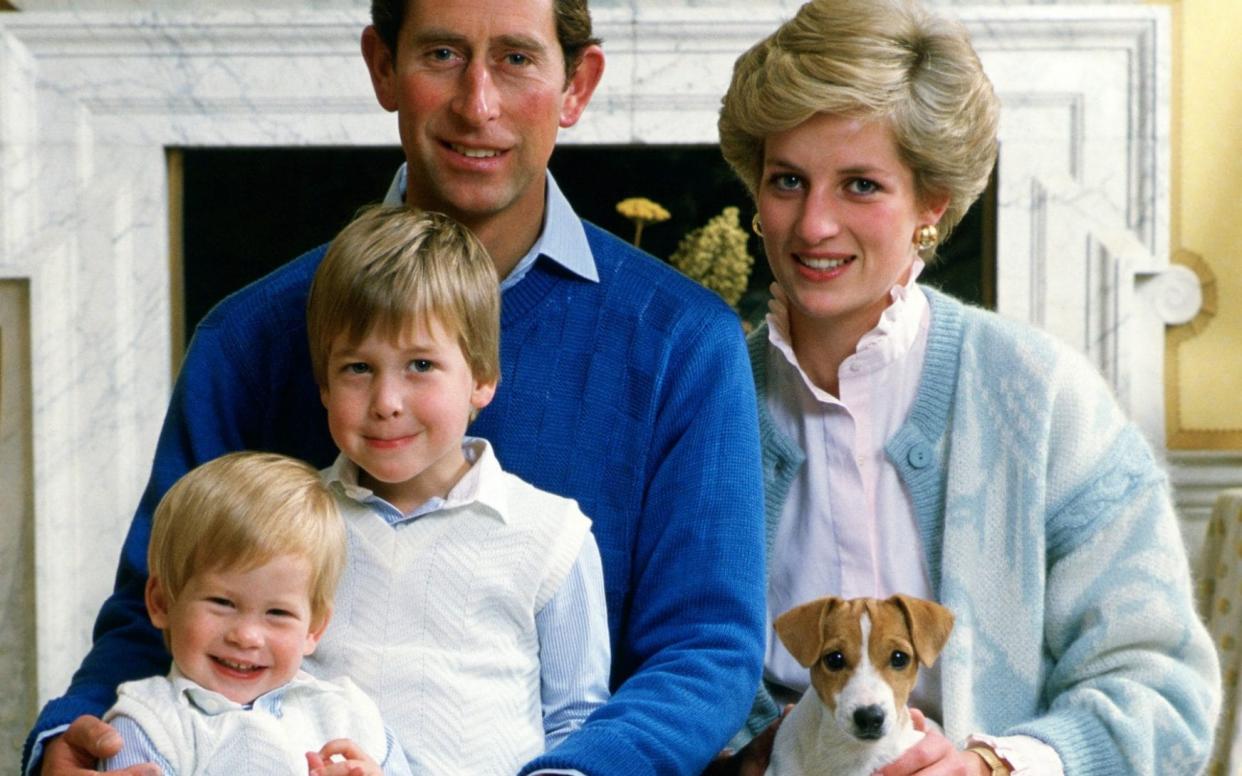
(801, 629)
(929, 624)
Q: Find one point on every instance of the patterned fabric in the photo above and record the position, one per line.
(1050, 534)
(630, 395)
(435, 619)
(1220, 600)
(201, 733)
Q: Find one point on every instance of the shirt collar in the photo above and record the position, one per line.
(562, 239)
(211, 703)
(482, 484)
(893, 336)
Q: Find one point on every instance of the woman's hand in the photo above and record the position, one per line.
(935, 755)
(350, 760)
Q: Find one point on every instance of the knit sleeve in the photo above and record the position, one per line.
(693, 641)
(1133, 681)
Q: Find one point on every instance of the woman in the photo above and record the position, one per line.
(916, 445)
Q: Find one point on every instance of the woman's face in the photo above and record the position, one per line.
(839, 216)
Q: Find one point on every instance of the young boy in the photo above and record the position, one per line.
(245, 554)
(472, 605)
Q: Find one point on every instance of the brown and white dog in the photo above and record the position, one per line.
(863, 654)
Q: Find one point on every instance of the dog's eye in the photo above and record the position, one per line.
(899, 659)
(834, 661)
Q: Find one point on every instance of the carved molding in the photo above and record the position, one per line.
(1193, 270)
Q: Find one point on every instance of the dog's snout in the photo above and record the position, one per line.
(869, 721)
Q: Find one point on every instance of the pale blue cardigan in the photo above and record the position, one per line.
(1049, 532)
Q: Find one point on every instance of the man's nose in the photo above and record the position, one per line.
(478, 100)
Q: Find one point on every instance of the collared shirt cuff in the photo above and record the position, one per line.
(1026, 756)
(36, 750)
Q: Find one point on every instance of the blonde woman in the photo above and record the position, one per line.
(916, 445)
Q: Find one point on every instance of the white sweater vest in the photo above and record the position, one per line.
(201, 732)
(435, 619)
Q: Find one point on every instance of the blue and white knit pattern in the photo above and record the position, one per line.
(1050, 534)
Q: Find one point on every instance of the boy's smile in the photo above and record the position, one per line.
(240, 633)
(399, 410)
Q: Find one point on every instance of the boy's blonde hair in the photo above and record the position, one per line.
(242, 510)
(392, 268)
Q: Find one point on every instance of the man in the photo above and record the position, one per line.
(625, 387)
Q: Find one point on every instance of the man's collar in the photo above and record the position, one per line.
(562, 239)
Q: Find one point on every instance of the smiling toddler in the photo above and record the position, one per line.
(245, 554)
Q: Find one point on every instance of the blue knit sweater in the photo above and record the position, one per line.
(1050, 535)
(631, 395)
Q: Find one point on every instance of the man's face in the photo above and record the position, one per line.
(480, 91)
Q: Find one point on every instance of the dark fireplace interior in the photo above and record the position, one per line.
(248, 210)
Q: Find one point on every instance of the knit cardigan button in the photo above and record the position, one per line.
(919, 456)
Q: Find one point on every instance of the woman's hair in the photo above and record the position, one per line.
(888, 60)
(392, 268)
(243, 510)
(572, 19)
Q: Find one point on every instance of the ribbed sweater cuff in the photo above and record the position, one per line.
(1079, 739)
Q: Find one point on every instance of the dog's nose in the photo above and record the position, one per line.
(869, 721)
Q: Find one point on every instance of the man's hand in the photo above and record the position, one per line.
(754, 757)
(87, 741)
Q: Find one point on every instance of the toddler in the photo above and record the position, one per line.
(246, 551)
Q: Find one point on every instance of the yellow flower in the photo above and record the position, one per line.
(641, 211)
(715, 255)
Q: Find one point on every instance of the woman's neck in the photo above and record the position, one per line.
(822, 345)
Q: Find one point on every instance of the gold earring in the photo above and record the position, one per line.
(925, 237)
(755, 226)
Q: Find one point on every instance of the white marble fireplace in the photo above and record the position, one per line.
(90, 103)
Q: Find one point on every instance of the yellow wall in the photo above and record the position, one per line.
(1204, 383)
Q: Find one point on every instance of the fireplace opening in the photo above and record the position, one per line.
(246, 211)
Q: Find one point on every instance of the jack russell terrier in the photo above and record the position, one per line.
(863, 654)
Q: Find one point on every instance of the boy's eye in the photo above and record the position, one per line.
(421, 365)
(356, 368)
(219, 601)
(280, 613)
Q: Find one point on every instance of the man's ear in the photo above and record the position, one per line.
(581, 85)
(382, 64)
(157, 603)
